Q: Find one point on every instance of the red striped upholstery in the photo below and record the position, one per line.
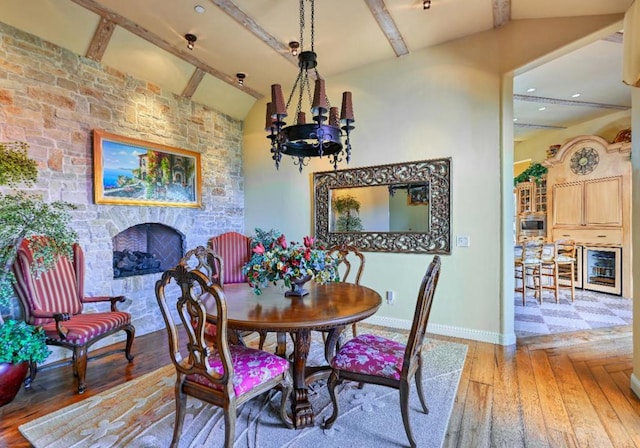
(235, 250)
(85, 327)
(58, 294)
(54, 291)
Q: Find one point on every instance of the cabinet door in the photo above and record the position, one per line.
(524, 197)
(567, 204)
(603, 202)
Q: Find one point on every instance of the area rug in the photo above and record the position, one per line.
(140, 413)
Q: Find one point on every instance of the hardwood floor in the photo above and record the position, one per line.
(558, 390)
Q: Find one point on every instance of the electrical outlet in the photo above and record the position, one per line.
(391, 297)
(463, 241)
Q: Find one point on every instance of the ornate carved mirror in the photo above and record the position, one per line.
(401, 207)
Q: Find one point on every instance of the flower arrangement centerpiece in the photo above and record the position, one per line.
(294, 263)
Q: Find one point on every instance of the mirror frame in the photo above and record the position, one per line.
(435, 171)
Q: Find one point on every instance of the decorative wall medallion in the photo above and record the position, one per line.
(584, 161)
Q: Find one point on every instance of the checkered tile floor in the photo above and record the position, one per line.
(589, 311)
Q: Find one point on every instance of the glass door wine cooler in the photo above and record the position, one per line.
(602, 269)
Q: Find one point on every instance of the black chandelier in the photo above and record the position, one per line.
(322, 137)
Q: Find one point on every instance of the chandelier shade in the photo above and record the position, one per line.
(323, 134)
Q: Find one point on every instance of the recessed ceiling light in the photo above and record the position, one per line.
(531, 89)
(199, 9)
(515, 119)
(575, 95)
(542, 108)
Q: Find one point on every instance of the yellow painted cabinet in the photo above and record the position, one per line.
(596, 202)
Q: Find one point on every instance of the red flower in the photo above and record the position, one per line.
(307, 254)
(259, 249)
(308, 241)
(282, 241)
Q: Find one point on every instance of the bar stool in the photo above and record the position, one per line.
(559, 266)
(527, 267)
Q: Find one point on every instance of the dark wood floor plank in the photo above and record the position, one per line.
(554, 413)
(615, 428)
(534, 429)
(584, 419)
(619, 403)
(475, 429)
(506, 421)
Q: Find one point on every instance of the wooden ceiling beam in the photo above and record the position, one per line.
(247, 22)
(194, 82)
(147, 35)
(501, 12)
(100, 39)
(388, 26)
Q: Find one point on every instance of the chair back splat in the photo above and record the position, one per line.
(349, 257)
(221, 374)
(54, 300)
(377, 360)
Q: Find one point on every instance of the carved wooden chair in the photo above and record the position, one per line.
(211, 264)
(54, 300)
(348, 257)
(377, 360)
(222, 374)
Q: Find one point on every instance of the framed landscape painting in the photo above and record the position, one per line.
(128, 171)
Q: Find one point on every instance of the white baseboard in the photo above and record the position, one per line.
(447, 330)
(635, 385)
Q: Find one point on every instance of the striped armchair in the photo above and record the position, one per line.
(54, 300)
(235, 249)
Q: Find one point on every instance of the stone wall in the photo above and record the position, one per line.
(52, 99)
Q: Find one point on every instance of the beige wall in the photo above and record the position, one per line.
(606, 127)
(441, 102)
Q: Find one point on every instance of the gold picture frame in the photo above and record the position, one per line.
(128, 171)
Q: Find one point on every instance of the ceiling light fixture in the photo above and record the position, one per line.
(303, 140)
(542, 108)
(426, 4)
(191, 40)
(531, 89)
(294, 47)
(575, 95)
(199, 9)
(241, 77)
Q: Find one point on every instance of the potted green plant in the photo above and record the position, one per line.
(347, 208)
(20, 345)
(46, 225)
(536, 171)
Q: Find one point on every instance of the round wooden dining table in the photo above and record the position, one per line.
(329, 307)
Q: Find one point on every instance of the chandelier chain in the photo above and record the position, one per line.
(301, 25)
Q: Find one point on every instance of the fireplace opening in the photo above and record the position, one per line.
(146, 249)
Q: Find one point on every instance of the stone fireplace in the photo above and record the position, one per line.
(146, 249)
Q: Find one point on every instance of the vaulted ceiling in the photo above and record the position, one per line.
(145, 38)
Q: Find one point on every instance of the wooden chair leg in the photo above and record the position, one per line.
(131, 333)
(573, 278)
(181, 407)
(332, 382)
(229, 425)
(80, 367)
(33, 371)
(556, 283)
(418, 379)
(404, 407)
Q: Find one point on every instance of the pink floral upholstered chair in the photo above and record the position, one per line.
(221, 374)
(54, 300)
(376, 360)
